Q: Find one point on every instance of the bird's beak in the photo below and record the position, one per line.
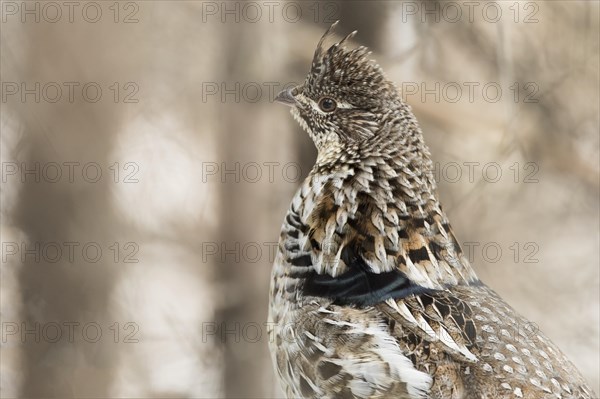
(286, 97)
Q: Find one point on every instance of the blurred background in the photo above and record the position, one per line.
(146, 173)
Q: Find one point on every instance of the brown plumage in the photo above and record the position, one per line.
(371, 295)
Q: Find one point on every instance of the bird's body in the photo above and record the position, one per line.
(371, 296)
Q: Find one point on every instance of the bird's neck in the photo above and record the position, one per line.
(385, 198)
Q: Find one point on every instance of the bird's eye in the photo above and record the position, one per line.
(327, 104)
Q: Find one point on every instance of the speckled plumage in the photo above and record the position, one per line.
(371, 296)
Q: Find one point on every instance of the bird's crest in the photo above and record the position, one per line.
(344, 67)
(320, 51)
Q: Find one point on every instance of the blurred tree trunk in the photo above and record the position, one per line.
(78, 211)
(249, 134)
(352, 17)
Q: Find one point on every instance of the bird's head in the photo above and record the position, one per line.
(345, 100)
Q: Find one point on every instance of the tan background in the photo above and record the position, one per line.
(197, 296)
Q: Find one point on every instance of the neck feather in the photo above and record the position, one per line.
(382, 198)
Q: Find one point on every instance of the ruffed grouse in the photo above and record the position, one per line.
(371, 295)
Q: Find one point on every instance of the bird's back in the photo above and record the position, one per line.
(511, 357)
